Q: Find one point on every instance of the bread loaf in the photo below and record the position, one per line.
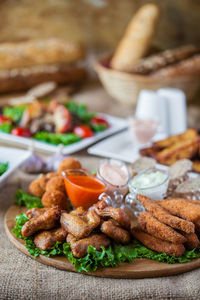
(137, 38)
(25, 78)
(38, 52)
(162, 59)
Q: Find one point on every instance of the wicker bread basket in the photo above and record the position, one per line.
(125, 87)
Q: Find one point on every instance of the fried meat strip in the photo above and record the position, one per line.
(79, 247)
(154, 227)
(164, 216)
(182, 208)
(80, 226)
(114, 231)
(48, 220)
(35, 212)
(158, 245)
(192, 241)
(45, 240)
(116, 214)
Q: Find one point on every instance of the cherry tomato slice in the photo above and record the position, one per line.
(83, 131)
(4, 119)
(99, 121)
(20, 131)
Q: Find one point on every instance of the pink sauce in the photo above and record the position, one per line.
(114, 174)
(143, 130)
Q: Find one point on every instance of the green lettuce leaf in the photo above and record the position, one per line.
(6, 127)
(20, 221)
(14, 112)
(80, 110)
(57, 138)
(25, 199)
(3, 168)
(99, 127)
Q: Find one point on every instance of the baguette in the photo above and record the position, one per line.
(165, 58)
(38, 52)
(187, 67)
(137, 39)
(23, 79)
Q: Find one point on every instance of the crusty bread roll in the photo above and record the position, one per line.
(38, 52)
(187, 67)
(23, 79)
(137, 38)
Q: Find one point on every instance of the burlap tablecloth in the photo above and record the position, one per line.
(24, 278)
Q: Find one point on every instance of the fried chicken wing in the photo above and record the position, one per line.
(164, 216)
(158, 245)
(79, 211)
(35, 212)
(79, 247)
(154, 227)
(192, 241)
(45, 240)
(182, 208)
(48, 220)
(114, 231)
(116, 214)
(80, 226)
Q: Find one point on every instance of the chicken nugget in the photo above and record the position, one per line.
(56, 184)
(192, 241)
(48, 220)
(36, 188)
(114, 231)
(182, 208)
(69, 163)
(53, 198)
(79, 247)
(164, 216)
(51, 175)
(154, 227)
(158, 245)
(45, 240)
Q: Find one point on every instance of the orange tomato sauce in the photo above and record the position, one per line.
(83, 190)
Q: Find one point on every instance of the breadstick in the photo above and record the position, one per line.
(137, 38)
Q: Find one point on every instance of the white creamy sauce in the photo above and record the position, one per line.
(150, 180)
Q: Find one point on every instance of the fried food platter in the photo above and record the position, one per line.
(140, 268)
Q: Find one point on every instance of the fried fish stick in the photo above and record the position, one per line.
(164, 216)
(158, 245)
(182, 208)
(154, 227)
(192, 241)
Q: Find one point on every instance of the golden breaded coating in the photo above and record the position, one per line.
(182, 208)
(36, 188)
(51, 175)
(79, 226)
(192, 241)
(158, 245)
(79, 211)
(45, 240)
(48, 220)
(164, 216)
(53, 198)
(69, 163)
(35, 212)
(114, 231)
(56, 184)
(79, 247)
(154, 227)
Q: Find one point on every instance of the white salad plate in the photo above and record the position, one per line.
(119, 146)
(116, 125)
(15, 158)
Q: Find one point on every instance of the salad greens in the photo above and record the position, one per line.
(80, 110)
(6, 127)
(14, 112)
(25, 199)
(3, 168)
(57, 138)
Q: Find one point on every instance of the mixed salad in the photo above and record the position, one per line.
(51, 121)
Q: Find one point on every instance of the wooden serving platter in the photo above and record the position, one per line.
(140, 268)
